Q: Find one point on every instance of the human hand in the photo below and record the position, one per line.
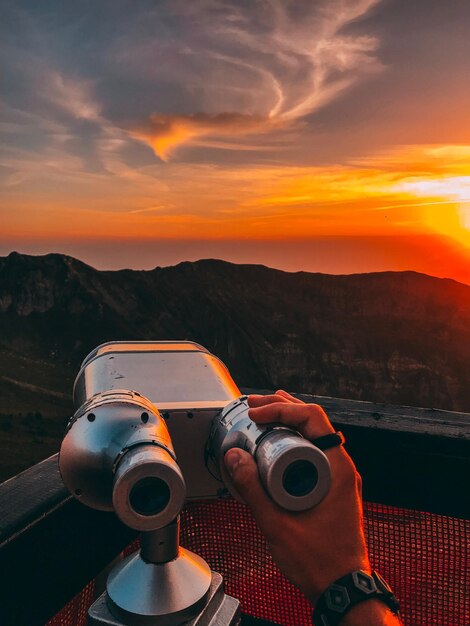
(316, 547)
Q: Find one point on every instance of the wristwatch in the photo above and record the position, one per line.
(347, 592)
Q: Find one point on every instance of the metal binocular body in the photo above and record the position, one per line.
(153, 422)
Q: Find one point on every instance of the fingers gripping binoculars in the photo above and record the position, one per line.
(153, 423)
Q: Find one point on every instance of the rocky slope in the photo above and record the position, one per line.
(397, 337)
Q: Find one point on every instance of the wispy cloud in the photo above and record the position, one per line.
(73, 95)
(251, 69)
(151, 210)
(59, 131)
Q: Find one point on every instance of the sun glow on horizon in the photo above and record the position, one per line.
(448, 205)
(417, 195)
(409, 190)
(465, 215)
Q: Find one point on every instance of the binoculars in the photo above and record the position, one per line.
(153, 424)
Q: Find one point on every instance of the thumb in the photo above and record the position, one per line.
(244, 474)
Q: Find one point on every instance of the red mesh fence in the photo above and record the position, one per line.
(74, 613)
(424, 557)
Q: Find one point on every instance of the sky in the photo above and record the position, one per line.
(317, 135)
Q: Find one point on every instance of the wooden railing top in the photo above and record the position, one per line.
(383, 416)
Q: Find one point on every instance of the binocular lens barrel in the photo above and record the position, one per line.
(149, 489)
(117, 455)
(293, 471)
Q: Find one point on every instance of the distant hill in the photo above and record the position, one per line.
(399, 337)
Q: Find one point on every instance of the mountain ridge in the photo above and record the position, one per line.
(209, 260)
(356, 335)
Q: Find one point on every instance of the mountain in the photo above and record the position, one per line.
(400, 337)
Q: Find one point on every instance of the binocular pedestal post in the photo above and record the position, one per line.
(164, 585)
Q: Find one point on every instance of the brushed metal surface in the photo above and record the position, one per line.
(168, 378)
(142, 593)
(219, 610)
(280, 450)
(141, 463)
(183, 381)
(109, 442)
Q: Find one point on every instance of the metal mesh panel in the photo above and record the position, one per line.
(225, 534)
(424, 557)
(74, 613)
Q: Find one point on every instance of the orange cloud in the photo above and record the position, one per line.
(166, 132)
(382, 196)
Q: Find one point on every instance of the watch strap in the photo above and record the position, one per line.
(328, 441)
(347, 592)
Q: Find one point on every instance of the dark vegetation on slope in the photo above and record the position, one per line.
(398, 337)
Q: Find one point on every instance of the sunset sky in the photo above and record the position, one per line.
(328, 135)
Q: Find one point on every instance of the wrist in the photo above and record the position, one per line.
(326, 578)
(351, 599)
